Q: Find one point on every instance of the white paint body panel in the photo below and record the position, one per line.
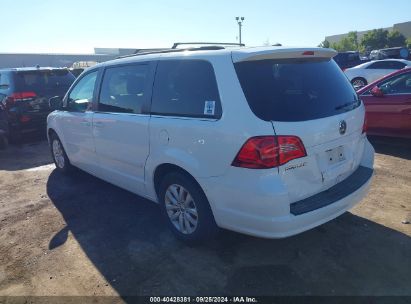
(126, 150)
(371, 74)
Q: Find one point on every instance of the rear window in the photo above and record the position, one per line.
(296, 90)
(43, 80)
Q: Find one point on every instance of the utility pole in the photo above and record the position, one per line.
(240, 21)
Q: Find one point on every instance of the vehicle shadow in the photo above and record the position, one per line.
(126, 239)
(31, 151)
(398, 147)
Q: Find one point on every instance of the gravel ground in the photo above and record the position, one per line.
(77, 235)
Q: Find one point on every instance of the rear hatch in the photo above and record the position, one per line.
(305, 94)
(33, 89)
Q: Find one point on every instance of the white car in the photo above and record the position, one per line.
(368, 72)
(264, 141)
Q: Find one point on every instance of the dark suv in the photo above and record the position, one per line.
(4, 128)
(26, 93)
(347, 60)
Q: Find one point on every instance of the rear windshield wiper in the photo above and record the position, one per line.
(348, 104)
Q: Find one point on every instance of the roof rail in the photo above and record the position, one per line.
(201, 48)
(175, 45)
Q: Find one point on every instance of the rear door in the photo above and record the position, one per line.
(120, 125)
(312, 99)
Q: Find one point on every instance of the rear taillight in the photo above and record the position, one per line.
(264, 152)
(20, 96)
(364, 126)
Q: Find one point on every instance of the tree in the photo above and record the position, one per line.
(395, 38)
(324, 44)
(375, 39)
(348, 43)
(408, 43)
(353, 38)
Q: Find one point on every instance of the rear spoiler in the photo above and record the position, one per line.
(252, 54)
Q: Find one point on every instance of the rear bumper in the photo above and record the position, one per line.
(34, 123)
(261, 206)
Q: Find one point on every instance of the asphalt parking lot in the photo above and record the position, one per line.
(77, 235)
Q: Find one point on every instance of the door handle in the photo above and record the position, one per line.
(98, 124)
(86, 123)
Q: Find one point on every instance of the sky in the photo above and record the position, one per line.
(77, 26)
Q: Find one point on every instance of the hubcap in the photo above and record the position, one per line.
(181, 209)
(58, 153)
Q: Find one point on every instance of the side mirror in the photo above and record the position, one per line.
(376, 91)
(56, 103)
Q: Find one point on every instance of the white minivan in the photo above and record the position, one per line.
(266, 141)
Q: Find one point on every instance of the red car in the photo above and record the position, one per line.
(388, 104)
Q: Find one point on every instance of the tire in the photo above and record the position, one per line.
(359, 82)
(191, 221)
(59, 154)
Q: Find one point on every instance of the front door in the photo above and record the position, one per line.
(390, 114)
(75, 123)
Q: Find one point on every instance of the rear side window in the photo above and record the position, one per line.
(296, 90)
(124, 89)
(397, 65)
(41, 81)
(186, 88)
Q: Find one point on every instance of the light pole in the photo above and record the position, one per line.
(240, 21)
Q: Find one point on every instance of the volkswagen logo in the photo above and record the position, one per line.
(343, 127)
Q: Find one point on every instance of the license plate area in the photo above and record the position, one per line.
(335, 155)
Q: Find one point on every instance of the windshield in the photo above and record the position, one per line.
(296, 90)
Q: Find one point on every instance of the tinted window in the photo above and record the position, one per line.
(186, 88)
(4, 80)
(42, 81)
(381, 65)
(124, 89)
(81, 97)
(295, 90)
(353, 57)
(397, 84)
(396, 65)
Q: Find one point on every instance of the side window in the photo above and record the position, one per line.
(81, 96)
(400, 84)
(4, 81)
(379, 65)
(396, 65)
(186, 88)
(124, 89)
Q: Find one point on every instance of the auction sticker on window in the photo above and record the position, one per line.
(209, 107)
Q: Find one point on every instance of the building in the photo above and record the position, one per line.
(404, 28)
(15, 60)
